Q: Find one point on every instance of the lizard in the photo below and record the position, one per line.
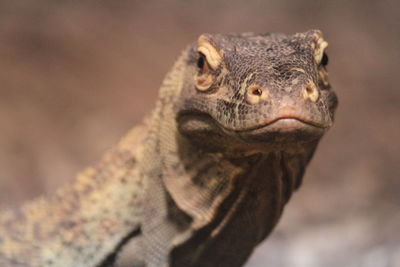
(205, 177)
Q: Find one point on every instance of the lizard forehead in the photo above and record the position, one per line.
(263, 51)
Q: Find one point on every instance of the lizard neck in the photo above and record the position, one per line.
(239, 206)
(209, 198)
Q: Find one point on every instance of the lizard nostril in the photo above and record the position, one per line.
(255, 93)
(311, 91)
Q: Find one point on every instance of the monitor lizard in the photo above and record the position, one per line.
(205, 177)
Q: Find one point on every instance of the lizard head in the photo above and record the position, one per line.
(256, 90)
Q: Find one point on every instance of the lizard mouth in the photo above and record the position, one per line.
(282, 125)
(284, 132)
(285, 123)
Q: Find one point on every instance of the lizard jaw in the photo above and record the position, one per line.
(284, 131)
(286, 123)
(281, 133)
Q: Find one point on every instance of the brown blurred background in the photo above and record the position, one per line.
(74, 77)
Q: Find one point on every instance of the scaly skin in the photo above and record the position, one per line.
(206, 177)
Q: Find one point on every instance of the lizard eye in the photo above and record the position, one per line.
(203, 78)
(324, 60)
(202, 63)
(322, 72)
(208, 60)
